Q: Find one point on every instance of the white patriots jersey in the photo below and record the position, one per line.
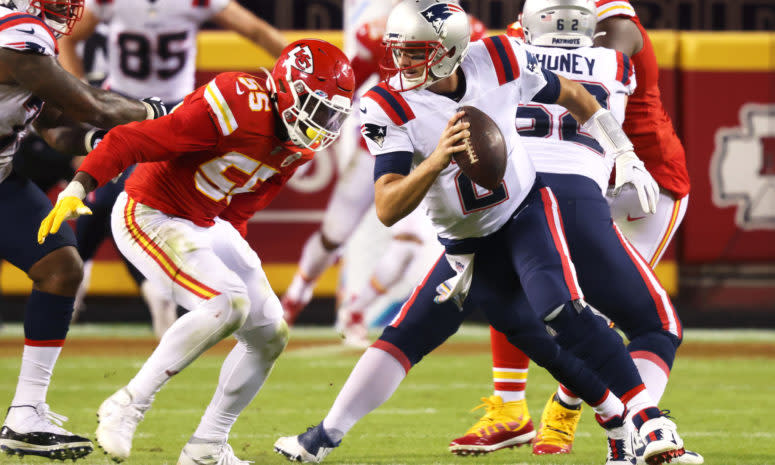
(24, 33)
(551, 136)
(499, 75)
(152, 44)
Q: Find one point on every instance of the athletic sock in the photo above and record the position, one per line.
(609, 407)
(567, 397)
(46, 322)
(509, 368)
(654, 373)
(374, 379)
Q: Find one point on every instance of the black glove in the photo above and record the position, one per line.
(154, 107)
(92, 138)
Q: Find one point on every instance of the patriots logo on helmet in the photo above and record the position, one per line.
(301, 58)
(437, 14)
(374, 132)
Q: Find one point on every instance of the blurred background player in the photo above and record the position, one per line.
(651, 131)
(151, 47)
(202, 172)
(36, 90)
(353, 197)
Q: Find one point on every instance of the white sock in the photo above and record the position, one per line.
(510, 396)
(653, 376)
(374, 379)
(187, 339)
(639, 402)
(609, 408)
(568, 399)
(35, 374)
(243, 373)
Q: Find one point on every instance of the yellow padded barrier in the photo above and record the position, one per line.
(727, 51)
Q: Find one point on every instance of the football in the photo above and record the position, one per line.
(484, 160)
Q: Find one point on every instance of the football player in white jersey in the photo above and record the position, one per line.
(505, 248)
(151, 47)
(34, 88)
(577, 170)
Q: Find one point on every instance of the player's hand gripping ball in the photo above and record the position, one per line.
(484, 160)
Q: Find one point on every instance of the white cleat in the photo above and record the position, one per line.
(201, 452)
(662, 442)
(351, 327)
(118, 417)
(310, 447)
(36, 430)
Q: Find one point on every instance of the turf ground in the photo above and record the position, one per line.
(721, 393)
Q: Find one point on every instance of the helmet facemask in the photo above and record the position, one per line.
(411, 62)
(59, 15)
(313, 120)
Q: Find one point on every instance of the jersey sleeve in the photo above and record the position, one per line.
(625, 72)
(235, 99)
(27, 33)
(610, 8)
(531, 75)
(214, 6)
(381, 133)
(188, 129)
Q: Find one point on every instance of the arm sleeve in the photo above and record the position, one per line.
(611, 8)
(393, 162)
(188, 129)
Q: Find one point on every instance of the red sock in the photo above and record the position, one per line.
(509, 368)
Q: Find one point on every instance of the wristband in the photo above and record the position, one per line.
(608, 132)
(74, 189)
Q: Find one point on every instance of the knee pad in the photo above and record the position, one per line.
(270, 340)
(659, 343)
(579, 330)
(230, 309)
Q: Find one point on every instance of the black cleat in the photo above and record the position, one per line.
(43, 438)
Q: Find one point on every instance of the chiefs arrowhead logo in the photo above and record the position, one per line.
(301, 58)
(742, 168)
(374, 132)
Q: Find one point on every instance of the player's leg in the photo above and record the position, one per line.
(421, 326)
(577, 328)
(649, 234)
(179, 255)
(259, 342)
(352, 197)
(506, 414)
(56, 271)
(405, 245)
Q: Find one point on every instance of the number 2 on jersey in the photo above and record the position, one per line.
(543, 123)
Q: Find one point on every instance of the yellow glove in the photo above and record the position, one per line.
(69, 205)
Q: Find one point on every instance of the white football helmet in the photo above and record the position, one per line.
(59, 15)
(559, 23)
(425, 40)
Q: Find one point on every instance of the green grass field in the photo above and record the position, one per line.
(721, 393)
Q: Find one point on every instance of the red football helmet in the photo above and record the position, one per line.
(59, 15)
(314, 86)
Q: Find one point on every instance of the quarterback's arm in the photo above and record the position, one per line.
(68, 57)
(238, 19)
(396, 195)
(620, 34)
(45, 78)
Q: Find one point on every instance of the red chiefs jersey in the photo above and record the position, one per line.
(216, 155)
(646, 122)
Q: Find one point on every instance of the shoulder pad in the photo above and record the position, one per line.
(391, 102)
(610, 8)
(238, 98)
(20, 31)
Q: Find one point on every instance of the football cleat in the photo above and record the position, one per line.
(659, 435)
(118, 417)
(620, 437)
(36, 430)
(557, 428)
(201, 452)
(504, 425)
(351, 327)
(311, 446)
(688, 458)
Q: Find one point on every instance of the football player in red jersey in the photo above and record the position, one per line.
(656, 143)
(203, 171)
(352, 197)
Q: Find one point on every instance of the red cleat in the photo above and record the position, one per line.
(504, 425)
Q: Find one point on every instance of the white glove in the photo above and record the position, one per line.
(630, 170)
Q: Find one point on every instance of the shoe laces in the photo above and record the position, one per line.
(227, 457)
(493, 406)
(45, 420)
(558, 424)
